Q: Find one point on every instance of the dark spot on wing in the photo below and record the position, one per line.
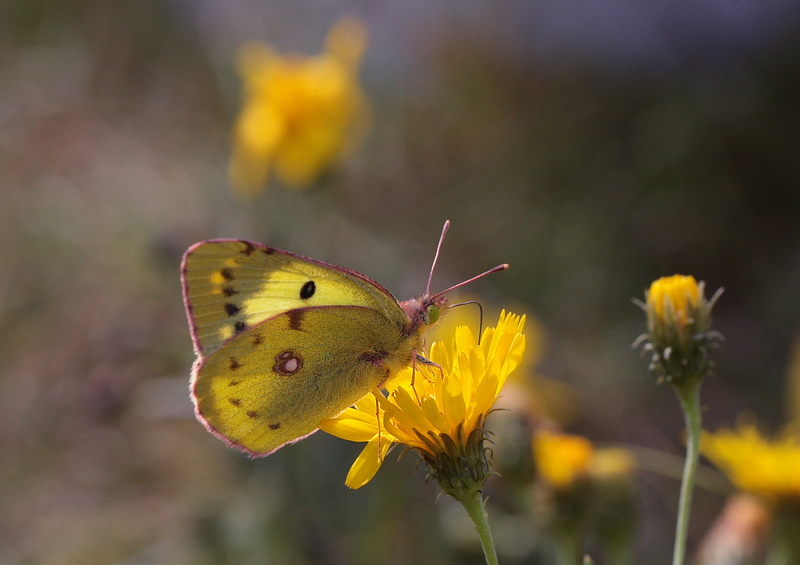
(248, 248)
(239, 327)
(308, 290)
(235, 401)
(231, 309)
(257, 339)
(268, 250)
(226, 273)
(229, 291)
(252, 413)
(233, 383)
(296, 319)
(275, 426)
(287, 363)
(235, 364)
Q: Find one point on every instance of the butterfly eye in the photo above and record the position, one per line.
(433, 314)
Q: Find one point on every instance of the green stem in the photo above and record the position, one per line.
(689, 395)
(473, 504)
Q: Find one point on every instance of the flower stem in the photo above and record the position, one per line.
(689, 395)
(473, 504)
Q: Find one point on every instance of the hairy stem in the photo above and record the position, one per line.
(473, 504)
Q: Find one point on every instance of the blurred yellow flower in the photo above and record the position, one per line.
(300, 114)
(442, 415)
(561, 458)
(755, 464)
(611, 463)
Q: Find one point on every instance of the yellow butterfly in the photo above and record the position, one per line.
(284, 341)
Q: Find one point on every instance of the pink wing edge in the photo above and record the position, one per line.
(219, 435)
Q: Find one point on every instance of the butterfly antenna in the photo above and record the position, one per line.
(480, 322)
(436, 257)
(502, 267)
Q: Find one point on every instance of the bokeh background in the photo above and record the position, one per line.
(594, 146)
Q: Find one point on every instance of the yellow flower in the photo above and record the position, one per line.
(755, 464)
(679, 329)
(442, 415)
(677, 293)
(528, 393)
(300, 114)
(561, 458)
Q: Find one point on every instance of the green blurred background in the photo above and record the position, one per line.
(593, 146)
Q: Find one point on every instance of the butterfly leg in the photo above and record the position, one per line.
(378, 418)
(414, 357)
(430, 363)
(375, 392)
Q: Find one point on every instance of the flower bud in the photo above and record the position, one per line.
(679, 328)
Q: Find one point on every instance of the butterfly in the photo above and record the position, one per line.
(284, 341)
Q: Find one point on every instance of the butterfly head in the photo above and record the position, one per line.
(424, 311)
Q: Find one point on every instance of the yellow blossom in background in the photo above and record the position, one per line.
(300, 114)
(442, 415)
(611, 463)
(584, 492)
(561, 458)
(753, 463)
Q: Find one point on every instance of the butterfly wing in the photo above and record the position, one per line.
(232, 285)
(275, 382)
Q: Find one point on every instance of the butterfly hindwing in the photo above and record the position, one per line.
(230, 286)
(274, 383)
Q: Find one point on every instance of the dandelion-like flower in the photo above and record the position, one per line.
(679, 328)
(584, 492)
(300, 114)
(440, 411)
(443, 414)
(756, 464)
(680, 341)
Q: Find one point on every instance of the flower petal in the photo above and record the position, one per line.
(440, 355)
(409, 413)
(452, 401)
(434, 415)
(367, 463)
(350, 427)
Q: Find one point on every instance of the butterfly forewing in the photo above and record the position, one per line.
(274, 383)
(229, 286)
